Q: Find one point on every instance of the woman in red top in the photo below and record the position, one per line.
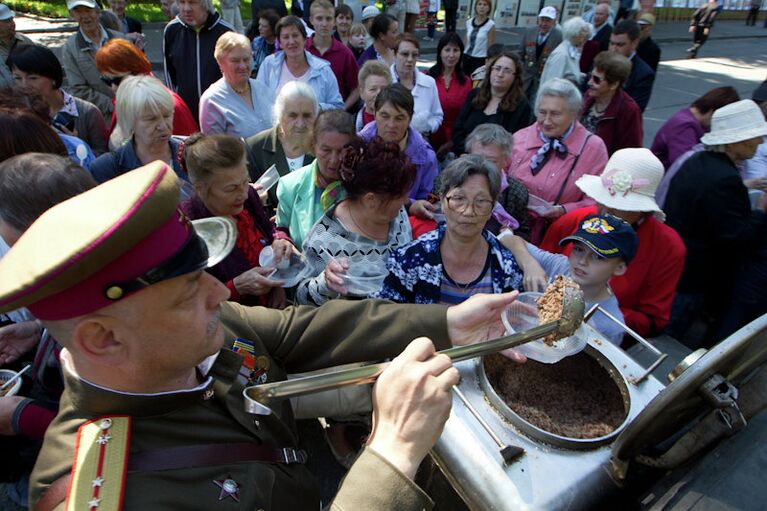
(453, 87)
(217, 169)
(117, 59)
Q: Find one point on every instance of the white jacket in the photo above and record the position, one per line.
(427, 111)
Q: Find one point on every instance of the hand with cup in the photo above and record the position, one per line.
(334, 272)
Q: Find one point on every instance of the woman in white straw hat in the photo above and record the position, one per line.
(626, 189)
(708, 204)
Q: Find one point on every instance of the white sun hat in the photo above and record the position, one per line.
(736, 122)
(628, 182)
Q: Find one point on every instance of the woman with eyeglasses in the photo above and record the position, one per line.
(37, 68)
(118, 59)
(427, 111)
(460, 258)
(499, 99)
(608, 111)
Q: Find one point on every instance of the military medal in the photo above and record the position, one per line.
(254, 368)
(229, 488)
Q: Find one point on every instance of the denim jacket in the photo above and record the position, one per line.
(415, 270)
(321, 78)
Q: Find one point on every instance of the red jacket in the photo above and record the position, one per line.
(646, 291)
(621, 124)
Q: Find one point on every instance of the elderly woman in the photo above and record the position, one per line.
(453, 87)
(145, 117)
(117, 59)
(305, 194)
(37, 68)
(383, 30)
(550, 155)
(293, 62)
(264, 45)
(564, 61)
(236, 104)
(372, 78)
(394, 111)
(216, 165)
(427, 111)
(359, 233)
(287, 146)
(608, 110)
(499, 99)
(460, 258)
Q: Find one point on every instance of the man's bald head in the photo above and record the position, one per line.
(601, 13)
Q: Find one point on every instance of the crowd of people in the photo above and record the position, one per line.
(310, 142)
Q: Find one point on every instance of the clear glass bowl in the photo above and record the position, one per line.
(521, 315)
(5, 375)
(290, 272)
(360, 280)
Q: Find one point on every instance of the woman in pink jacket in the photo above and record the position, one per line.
(550, 155)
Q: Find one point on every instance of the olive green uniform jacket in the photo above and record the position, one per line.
(295, 340)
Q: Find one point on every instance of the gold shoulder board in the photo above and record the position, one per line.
(100, 464)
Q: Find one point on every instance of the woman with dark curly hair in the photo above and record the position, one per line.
(453, 87)
(499, 99)
(358, 234)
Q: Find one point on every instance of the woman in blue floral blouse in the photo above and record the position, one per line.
(460, 258)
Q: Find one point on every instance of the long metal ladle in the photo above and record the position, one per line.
(258, 398)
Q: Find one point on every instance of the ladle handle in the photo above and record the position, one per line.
(361, 375)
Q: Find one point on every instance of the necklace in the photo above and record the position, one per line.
(600, 111)
(361, 229)
(243, 90)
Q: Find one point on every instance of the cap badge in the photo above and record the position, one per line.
(597, 226)
(114, 292)
(621, 181)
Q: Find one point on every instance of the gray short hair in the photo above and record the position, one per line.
(561, 88)
(575, 27)
(490, 134)
(136, 95)
(456, 173)
(292, 91)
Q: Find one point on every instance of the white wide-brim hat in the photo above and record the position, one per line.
(736, 122)
(628, 182)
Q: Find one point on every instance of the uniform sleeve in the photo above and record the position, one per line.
(374, 484)
(307, 338)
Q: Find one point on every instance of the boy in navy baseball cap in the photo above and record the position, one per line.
(603, 246)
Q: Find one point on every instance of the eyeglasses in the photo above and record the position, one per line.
(503, 70)
(115, 80)
(459, 203)
(406, 55)
(596, 79)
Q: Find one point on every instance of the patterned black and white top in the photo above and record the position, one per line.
(330, 239)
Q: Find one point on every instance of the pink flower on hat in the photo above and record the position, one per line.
(621, 181)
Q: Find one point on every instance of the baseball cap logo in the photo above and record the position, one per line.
(597, 226)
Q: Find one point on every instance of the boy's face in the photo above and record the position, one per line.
(323, 19)
(589, 269)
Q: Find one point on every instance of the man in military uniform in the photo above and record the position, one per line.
(152, 416)
(537, 44)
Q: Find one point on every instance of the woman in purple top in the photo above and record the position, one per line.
(393, 113)
(684, 129)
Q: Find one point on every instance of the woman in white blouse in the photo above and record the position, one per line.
(427, 115)
(564, 61)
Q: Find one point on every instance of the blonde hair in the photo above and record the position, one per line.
(228, 42)
(373, 68)
(136, 95)
(358, 29)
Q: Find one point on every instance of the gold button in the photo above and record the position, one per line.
(114, 292)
